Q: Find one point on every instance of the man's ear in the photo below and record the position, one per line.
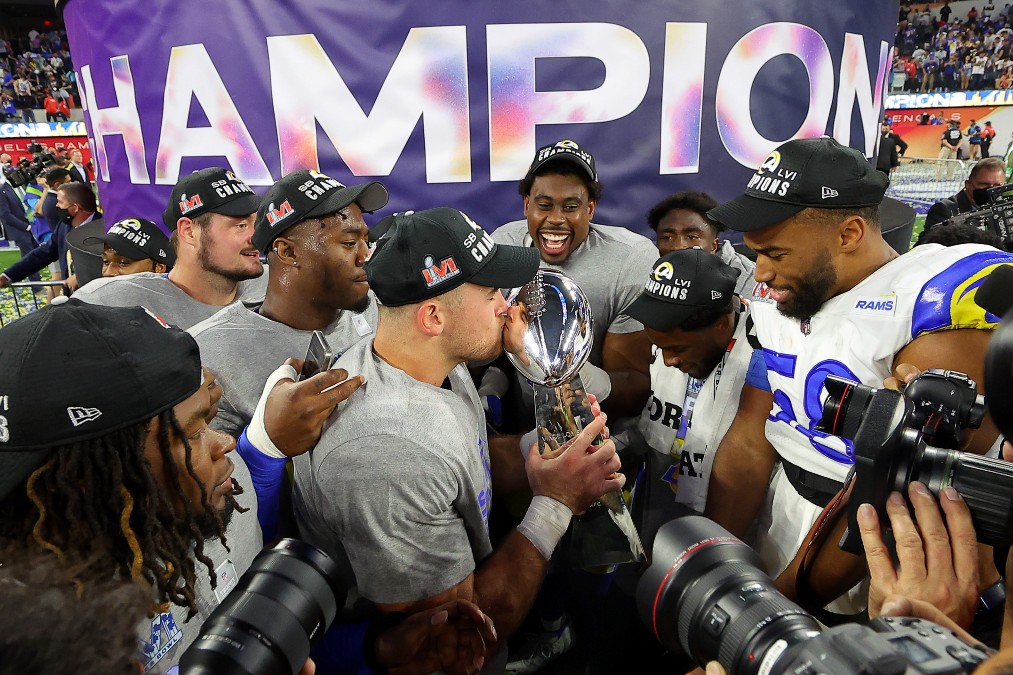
(186, 231)
(160, 268)
(431, 318)
(284, 251)
(851, 231)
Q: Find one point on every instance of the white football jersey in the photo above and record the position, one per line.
(857, 335)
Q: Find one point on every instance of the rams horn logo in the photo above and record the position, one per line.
(318, 175)
(568, 144)
(664, 271)
(130, 224)
(771, 162)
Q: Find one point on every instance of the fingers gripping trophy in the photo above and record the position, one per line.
(555, 343)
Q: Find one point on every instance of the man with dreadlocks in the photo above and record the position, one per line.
(137, 486)
(126, 476)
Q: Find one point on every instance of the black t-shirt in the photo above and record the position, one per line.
(952, 136)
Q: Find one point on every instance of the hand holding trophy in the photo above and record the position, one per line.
(548, 340)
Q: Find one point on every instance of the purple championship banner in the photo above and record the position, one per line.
(446, 102)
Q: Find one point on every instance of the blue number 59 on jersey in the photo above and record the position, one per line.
(784, 411)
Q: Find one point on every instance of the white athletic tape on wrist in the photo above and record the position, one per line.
(256, 433)
(545, 523)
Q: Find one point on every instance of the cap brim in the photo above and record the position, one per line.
(120, 245)
(16, 467)
(746, 213)
(369, 196)
(242, 206)
(658, 314)
(509, 267)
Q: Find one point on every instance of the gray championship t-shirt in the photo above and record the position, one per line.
(611, 266)
(164, 638)
(401, 479)
(164, 298)
(242, 348)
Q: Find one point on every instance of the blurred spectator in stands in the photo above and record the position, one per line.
(63, 111)
(891, 148)
(930, 68)
(987, 134)
(7, 110)
(51, 107)
(972, 17)
(944, 12)
(24, 98)
(974, 140)
(987, 173)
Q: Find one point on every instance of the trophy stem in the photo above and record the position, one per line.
(604, 535)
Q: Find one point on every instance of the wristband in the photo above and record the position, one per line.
(545, 523)
(256, 433)
(993, 597)
(379, 625)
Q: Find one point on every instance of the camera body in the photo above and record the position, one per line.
(704, 595)
(28, 170)
(900, 438)
(995, 216)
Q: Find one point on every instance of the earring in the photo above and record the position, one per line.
(295, 264)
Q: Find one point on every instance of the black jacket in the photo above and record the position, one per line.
(946, 209)
(891, 146)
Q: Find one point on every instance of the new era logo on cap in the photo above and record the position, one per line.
(829, 192)
(79, 416)
(715, 295)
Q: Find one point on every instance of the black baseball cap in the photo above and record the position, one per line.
(116, 366)
(211, 190)
(423, 254)
(681, 284)
(137, 239)
(817, 173)
(567, 151)
(310, 194)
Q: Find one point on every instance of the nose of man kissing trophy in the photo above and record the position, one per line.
(556, 342)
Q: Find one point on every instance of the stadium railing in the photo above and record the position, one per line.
(19, 299)
(921, 182)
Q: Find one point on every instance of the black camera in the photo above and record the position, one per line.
(704, 595)
(27, 170)
(995, 213)
(284, 602)
(900, 438)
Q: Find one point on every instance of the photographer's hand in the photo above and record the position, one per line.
(899, 605)
(902, 374)
(937, 560)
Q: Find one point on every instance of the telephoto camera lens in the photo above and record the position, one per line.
(704, 595)
(283, 603)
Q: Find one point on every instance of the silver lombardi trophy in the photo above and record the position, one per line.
(556, 343)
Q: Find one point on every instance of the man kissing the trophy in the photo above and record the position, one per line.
(401, 480)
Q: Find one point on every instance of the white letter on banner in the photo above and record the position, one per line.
(191, 74)
(854, 85)
(735, 83)
(516, 107)
(121, 119)
(429, 79)
(682, 96)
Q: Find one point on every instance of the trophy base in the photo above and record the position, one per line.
(601, 538)
(605, 535)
